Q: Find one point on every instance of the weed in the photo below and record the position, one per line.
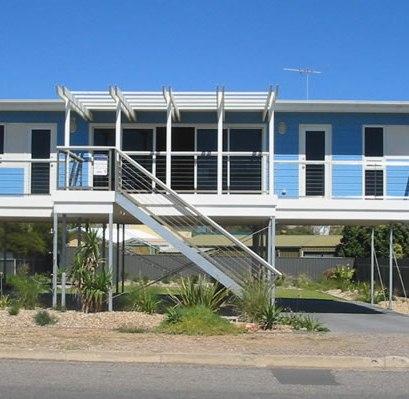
(14, 309)
(132, 330)
(43, 318)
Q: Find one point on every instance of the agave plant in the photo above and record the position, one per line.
(200, 292)
(88, 276)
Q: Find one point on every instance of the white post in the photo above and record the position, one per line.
(271, 250)
(390, 267)
(219, 144)
(118, 120)
(63, 286)
(63, 260)
(67, 133)
(372, 266)
(271, 153)
(110, 258)
(55, 258)
(169, 145)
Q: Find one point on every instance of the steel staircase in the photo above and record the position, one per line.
(156, 205)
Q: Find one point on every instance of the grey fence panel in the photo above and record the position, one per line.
(312, 267)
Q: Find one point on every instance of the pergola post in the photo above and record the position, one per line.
(55, 259)
(372, 265)
(64, 241)
(118, 121)
(67, 133)
(110, 259)
(269, 113)
(169, 145)
(220, 116)
(390, 267)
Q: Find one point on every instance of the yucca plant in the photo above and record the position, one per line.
(200, 292)
(90, 280)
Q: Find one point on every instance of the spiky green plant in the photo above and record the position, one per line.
(200, 292)
(89, 279)
(142, 299)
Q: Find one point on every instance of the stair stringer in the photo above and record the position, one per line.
(191, 253)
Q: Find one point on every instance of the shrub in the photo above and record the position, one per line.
(27, 288)
(256, 297)
(142, 299)
(364, 293)
(132, 330)
(270, 317)
(200, 292)
(342, 275)
(198, 320)
(4, 301)
(43, 318)
(302, 281)
(303, 322)
(14, 309)
(173, 315)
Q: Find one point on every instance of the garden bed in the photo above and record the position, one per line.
(79, 320)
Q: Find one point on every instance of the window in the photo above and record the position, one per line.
(40, 171)
(104, 137)
(374, 142)
(183, 139)
(40, 144)
(137, 139)
(160, 139)
(1, 139)
(245, 140)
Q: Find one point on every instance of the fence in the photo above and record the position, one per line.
(363, 267)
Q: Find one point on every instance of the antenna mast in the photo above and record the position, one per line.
(305, 72)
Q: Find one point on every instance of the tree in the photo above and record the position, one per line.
(356, 241)
(26, 239)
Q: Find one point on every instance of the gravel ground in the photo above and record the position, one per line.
(96, 332)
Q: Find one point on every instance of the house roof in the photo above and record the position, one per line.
(307, 241)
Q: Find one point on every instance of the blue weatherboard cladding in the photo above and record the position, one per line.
(346, 145)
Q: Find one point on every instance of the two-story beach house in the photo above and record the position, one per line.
(202, 161)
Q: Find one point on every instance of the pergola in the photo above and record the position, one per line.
(173, 103)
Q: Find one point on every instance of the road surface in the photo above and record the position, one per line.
(46, 380)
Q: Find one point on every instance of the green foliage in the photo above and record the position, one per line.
(43, 318)
(270, 317)
(302, 281)
(341, 275)
(132, 330)
(4, 301)
(198, 320)
(89, 279)
(200, 293)
(142, 299)
(256, 297)
(14, 309)
(173, 315)
(356, 241)
(364, 293)
(303, 322)
(27, 289)
(26, 239)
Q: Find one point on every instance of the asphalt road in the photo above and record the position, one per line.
(46, 380)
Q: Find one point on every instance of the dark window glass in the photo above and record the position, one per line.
(315, 146)
(104, 137)
(40, 144)
(245, 173)
(1, 139)
(245, 140)
(207, 173)
(206, 139)
(183, 139)
(137, 139)
(374, 142)
(374, 182)
(161, 138)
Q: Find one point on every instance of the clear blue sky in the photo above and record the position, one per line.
(361, 46)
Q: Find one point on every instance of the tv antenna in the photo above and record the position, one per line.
(305, 72)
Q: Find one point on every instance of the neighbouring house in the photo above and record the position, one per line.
(307, 246)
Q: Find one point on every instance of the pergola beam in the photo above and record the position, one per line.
(270, 101)
(73, 103)
(174, 104)
(116, 93)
